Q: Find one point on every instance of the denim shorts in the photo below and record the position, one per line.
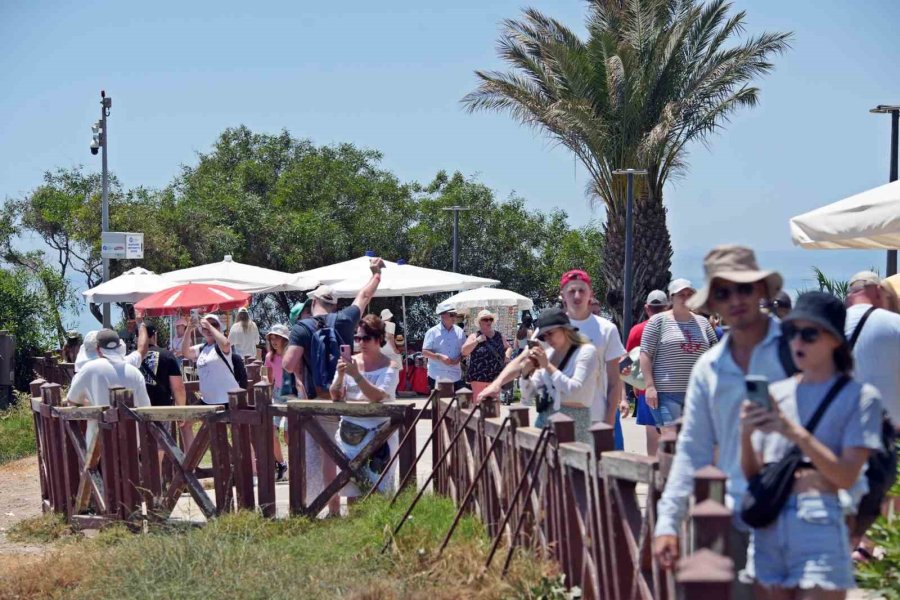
(643, 412)
(808, 546)
(671, 405)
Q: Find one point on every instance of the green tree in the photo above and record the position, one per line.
(651, 77)
(23, 313)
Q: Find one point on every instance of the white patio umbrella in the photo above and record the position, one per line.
(242, 277)
(488, 297)
(131, 286)
(870, 219)
(397, 279)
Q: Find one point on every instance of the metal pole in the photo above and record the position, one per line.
(105, 103)
(892, 254)
(456, 241)
(405, 333)
(628, 284)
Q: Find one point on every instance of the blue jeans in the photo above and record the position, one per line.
(807, 546)
(671, 405)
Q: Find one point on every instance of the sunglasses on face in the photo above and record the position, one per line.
(723, 293)
(808, 335)
(487, 320)
(363, 338)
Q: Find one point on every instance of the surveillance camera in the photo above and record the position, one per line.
(94, 149)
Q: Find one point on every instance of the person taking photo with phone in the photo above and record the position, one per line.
(369, 376)
(213, 358)
(831, 423)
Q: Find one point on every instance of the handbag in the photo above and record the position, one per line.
(768, 490)
(635, 378)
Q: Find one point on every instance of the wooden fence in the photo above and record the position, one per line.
(587, 507)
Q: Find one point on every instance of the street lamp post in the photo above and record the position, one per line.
(100, 142)
(895, 125)
(456, 210)
(629, 247)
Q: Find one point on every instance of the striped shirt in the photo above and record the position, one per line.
(673, 347)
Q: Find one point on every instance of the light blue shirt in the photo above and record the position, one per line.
(449, 342)
(876, 355)
(712, 418)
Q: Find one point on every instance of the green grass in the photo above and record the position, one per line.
(17, 431)
(246, 556)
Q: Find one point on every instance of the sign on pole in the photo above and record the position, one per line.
(121, 245)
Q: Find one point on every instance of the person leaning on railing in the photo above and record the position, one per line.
(368, 376)
(805, 551)
(566, 379)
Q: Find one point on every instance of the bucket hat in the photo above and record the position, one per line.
(732, 263)
(820, 308)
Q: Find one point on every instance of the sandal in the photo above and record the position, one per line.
(862, 555)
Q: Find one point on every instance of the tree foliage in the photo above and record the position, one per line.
(651, 77)
(287, 204)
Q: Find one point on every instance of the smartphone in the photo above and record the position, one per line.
(758, 390)
(625, 363)
(533, 343)
(345, 352)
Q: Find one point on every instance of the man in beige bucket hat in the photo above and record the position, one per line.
(734, 287)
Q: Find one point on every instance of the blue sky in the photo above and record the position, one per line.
(390, 75)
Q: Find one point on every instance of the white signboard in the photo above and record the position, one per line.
(119, 245)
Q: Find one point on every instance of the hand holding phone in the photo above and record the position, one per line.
(758, 391)
(533, 343)
(625, 364)
(345, 353)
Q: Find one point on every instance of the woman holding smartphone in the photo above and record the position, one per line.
(805, 552)
(368, 377)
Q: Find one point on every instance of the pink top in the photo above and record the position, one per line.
(275, 365)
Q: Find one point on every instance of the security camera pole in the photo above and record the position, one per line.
(894, 111)
(456, 210)
(101, 140)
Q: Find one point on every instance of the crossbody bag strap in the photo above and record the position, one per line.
(227, 362)
(858, 329)
(842, 381)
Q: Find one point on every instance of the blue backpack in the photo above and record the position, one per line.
(321, 357)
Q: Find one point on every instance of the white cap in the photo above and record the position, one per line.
(213, 317)
(386, 314)
(865, 278)
(324, 293)
(657, 298)
(678, 285)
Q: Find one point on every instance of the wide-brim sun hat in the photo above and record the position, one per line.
(443, 308)
(280, 331)
(386, 314)
(553, 318)
(736, 264)
(821, 308)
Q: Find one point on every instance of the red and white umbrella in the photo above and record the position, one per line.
(202, 296)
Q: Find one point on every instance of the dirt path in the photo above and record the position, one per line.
(20, 498)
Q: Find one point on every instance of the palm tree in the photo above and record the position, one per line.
(652, 76)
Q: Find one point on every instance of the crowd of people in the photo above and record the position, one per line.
(755, 380)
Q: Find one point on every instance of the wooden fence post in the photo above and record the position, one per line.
(408, 451)
(611, 558)
(705, 574)
(709, 483)
(569, 535)
(240, 449)
(265, 448)
(121, 400)
(35, 387)
(50, 396)
(710, 526)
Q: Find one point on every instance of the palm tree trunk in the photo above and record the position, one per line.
(652, 253)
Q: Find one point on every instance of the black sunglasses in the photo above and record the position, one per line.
(722, 293)
(809, 335)
(363, 338)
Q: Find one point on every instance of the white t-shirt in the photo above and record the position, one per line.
(91, 384)
(605, 337)
(215, 376)
(244, 341)
(385, 379)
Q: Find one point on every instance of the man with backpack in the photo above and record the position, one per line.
(315, 342)
(162, 376)
(217, 368)
(874, 337)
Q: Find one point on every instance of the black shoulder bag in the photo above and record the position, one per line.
(768, 490)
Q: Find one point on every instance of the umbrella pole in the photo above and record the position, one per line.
(405, 332)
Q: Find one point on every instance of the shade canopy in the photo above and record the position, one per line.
(867, 220)
(397, 279)
(203, 296)
(488, 297)
(239, 276)
(131, 286)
